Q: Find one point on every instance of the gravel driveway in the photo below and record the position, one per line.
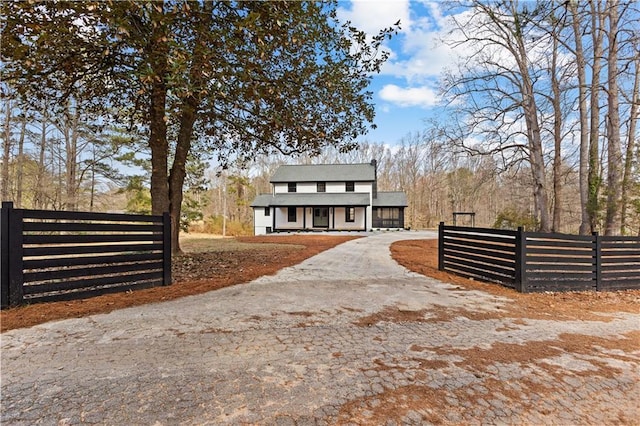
(347, 336)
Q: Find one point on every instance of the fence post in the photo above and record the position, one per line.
(166, 248)
(15, 224)
(441, 246)
(597, 259)
(520, 267)
(4, 253)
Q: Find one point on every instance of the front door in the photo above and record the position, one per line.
(321, 217)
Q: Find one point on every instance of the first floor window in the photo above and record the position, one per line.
(350, 215)
(267, 211)
(291, 215)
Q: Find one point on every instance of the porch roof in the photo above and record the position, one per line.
(391, 199)
(325, 199)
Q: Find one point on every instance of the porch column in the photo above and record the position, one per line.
(365, 219)
(333, 218)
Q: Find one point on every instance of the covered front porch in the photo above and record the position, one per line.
(320, 212)
(319, 218)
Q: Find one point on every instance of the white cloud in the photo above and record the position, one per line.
(373, 16)
(420, 52)
(423, 97)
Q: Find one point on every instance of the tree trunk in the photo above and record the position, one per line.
(6, 152)
(597, 23)
(533, 132)
(628, 160)
(614, 150)
(585, 221)
(20, 162)
(188, 117)
(557, 138)
(157, 118)
(38, 199)
(93, 179)
(71, 156)
(178, 170)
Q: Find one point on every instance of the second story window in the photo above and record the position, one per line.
(291, 187)
(267, 211)
(321, 187)
(349, 186)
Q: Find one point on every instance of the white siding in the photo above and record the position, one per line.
(342, 224)
(280, 188)
(304, 216)
(363, 187)
(306, 187)
(335, 187)
(341, 187)
(282, 216)
(261, 222)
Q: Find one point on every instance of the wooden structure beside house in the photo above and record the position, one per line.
(323, 197)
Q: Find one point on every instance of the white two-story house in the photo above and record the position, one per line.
(340, 197)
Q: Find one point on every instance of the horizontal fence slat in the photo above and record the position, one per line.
(606, 239)
(586, 267)
(619, 275)
(484, 238)
(576, 245)
(88, 283)
(90, 227)
(505, 248)
(558, 276)
(546, 236)
(486, 254)
(635, 254)
(85, 294)
(86, 239)
(620, 267)
(511, 264)
(105, 217)
(479, 274)
(631, 260)
(75, 249)
(504, 272)
(472, 230)
(69, 273)
(507, 272)
(620, 284)
(540, 255)
(90, 260)
(534, 287)
(613, 245)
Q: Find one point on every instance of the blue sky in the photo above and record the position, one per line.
(406, 91)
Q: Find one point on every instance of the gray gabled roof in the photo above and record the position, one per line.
(325, 173)
(301, 199)
(391, 199)
(262, 200)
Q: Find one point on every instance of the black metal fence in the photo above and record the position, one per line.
(534, 262)
(58, 255)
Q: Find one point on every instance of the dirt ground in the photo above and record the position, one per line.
(204, 268)
(421, 256)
